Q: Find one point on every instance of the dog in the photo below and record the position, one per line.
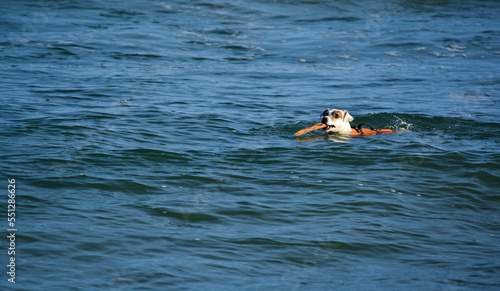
(334, 121)
(337, 121)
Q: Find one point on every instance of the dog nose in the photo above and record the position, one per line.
(324, 120)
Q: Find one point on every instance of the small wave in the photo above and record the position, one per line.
(423, 123)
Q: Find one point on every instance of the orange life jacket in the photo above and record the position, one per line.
(359, 131)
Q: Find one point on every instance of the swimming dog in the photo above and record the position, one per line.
(335, 121)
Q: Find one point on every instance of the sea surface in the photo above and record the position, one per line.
(152, 145)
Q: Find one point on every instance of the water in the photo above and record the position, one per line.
(152, 145)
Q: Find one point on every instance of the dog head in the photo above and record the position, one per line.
(337, 121)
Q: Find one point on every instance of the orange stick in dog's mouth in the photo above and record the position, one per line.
(310, 128)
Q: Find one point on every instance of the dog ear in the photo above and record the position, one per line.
(347, 116)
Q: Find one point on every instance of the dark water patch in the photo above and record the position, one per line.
(195, 179)
(121, 13)
(155, 155)
(330, 19)
(183, 216)
(64, 52)
(63, 91)
(134, 56)
(82, 182)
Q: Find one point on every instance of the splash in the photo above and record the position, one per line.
(401, 125)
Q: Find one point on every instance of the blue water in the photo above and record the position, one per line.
(152, 145)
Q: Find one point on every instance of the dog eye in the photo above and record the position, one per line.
(326, 112)
(337, 115)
